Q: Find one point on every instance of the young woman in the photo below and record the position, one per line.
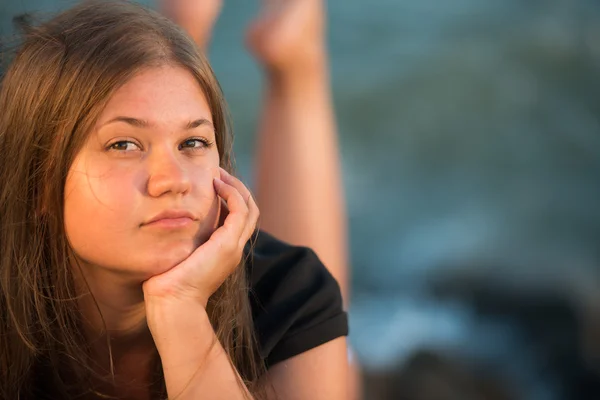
(130, 266)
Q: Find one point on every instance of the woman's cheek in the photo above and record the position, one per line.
(117, 188)
(204, 178)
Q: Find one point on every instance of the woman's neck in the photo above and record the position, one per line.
(113, 306)
(114, 320)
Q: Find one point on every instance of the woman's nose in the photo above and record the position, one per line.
(167, 175)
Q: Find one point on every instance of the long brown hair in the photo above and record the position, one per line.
(51, 95)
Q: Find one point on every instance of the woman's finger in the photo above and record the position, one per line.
(253, 212)
(236, 220)
(236, 183)
(252, 220)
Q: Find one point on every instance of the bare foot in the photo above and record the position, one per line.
(288, 35)
(196, 17)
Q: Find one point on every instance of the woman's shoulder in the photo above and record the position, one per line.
(296, 303)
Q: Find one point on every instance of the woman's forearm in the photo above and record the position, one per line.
(194, 363)
(299, 183)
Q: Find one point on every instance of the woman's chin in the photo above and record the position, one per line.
(159, 256)
(163, 260)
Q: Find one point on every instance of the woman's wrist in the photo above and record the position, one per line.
(181, 330)
(192, 358)
(184, 339)
(169, 319)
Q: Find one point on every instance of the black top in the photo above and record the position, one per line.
(296, 303)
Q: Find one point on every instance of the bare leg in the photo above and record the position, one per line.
(299, 183)
(197, 17)
(299, 186)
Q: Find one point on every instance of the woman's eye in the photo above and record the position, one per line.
(194, 144)
(124, 145)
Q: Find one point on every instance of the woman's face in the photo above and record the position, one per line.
(139, 197)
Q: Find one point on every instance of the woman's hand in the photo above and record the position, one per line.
(196, 278)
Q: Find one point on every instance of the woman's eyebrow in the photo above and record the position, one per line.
(200, 122)
(138, 123)
(141, 123)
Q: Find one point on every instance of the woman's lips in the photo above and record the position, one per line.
(171, 219)
(171, 223)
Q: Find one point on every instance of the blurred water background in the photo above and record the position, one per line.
(470, 136)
